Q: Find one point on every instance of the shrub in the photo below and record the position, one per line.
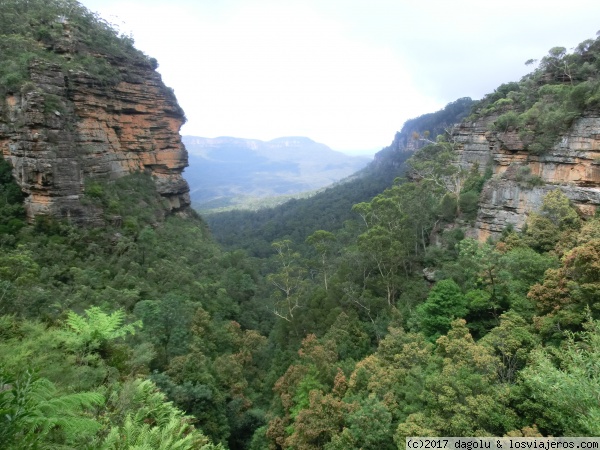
(468, 203)
(506, 121)
(12, 213)
(94, 190)
(448, 207)
(526, 179)
(445, 303)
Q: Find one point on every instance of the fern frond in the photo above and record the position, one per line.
(32, 409)
(173, 435)
(155, 425)
(98, 327)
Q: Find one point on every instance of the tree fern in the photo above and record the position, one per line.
(134, 435)
(97, 328)
(155, 424)
(32, 413)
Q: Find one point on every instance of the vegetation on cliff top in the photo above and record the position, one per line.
(543, 105)
(62, 32)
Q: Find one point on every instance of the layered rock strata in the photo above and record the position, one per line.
(521, 180)
(65, 128)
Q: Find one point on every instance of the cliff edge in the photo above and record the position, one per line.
(522, 179)
(536, 135)
(83, 112)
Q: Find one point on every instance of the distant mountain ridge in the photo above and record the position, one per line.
(225, 171)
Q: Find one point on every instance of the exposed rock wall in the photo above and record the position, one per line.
(521, 180)
(65, 128)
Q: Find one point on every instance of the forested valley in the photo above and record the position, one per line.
(349, 320)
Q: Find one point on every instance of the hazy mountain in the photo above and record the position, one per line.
(226, 170)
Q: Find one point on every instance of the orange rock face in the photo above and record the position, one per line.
(71, 128)
(521, 180)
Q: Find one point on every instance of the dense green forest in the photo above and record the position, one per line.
(149, 334)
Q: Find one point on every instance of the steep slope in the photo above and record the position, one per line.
(224, 170)
(79, 103)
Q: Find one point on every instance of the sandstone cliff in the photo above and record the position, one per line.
(522, 179)
(65, 127)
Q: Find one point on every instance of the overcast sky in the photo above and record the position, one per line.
(346, 73)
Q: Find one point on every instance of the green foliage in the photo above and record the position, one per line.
(288, 281)
(299, 218)
(461, 397)
(17, 52)
(95, 331)
(557, 208)
(38, 30)
(131, 199)
(349, 336)
(437, 167)
(71, 410)
(444, 304)
(468, 203)
(53, 103)
(556, 216)
(398, 224)
(32, 413)
(94, 190)
(512, 342)
(12, 213)
(166, 322)
(434, 124)
(448, 208)
(322, 241)
(569, 292)
(153, 423)
(368, 427)
(352, 384)
(475, 179)
(41, 349)
(506, 121)
(561, 386)
(544, 104)
(499, 98)
(18, 266)
(526, 179)
(161, 271)
(519, 270)
(301, 397)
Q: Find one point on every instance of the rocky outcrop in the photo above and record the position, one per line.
(521, 180)
(419, 132)
(66, 127)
